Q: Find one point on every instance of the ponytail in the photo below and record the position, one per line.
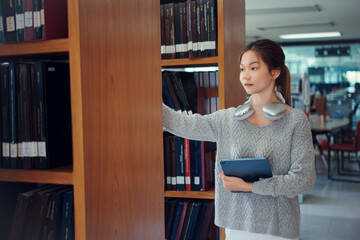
(282, 84)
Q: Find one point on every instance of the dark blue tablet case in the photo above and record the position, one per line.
(249, 169)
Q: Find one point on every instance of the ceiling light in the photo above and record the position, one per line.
(310, 35)
(298, 25)
(314, 8)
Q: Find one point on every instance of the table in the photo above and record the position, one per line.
(325, 125)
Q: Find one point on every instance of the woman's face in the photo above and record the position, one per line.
(254, 74)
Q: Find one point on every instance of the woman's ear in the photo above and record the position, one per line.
(275, 73)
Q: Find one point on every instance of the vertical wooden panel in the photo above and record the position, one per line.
(77, 119)
(231, 40)
(122, 119)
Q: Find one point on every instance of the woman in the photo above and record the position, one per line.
(269, 208)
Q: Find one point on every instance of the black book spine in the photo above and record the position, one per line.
(13, 115)
(37, 19)
(5, 119)
(57, 113)
(40, 161)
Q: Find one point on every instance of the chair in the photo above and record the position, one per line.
(349, 146)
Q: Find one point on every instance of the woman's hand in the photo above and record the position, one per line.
(235, 183)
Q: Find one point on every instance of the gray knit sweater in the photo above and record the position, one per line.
(272, 207)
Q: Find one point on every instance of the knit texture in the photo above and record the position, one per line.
(272, 207)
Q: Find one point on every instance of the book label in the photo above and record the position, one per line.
(197, 180)
(28, 19)
(168, 180)
(42, 17)
(26, 149)
(1, 24)
(42, 149)
(173, 181)
(33, 149)
(20, 150)
(20, 21)
(10, 24)
(13, 149)
(6, 150)
(37, 21)
(180, 180)
(187, 180)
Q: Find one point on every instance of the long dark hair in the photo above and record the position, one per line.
(273, 56)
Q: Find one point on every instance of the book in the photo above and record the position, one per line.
(208, 219)
(19, 18)
(5, 115)
(13, 115)
(1, 25)
(167, 160)
(53, 16)
(192, 221)
(181, 221)
(8, 14)
(177, 22)
(171, 89)
(162, 21)
(28, 20)
(166, 96)
(57, 148)
(67, 217)
(180, 171)
(176, 219)
(38, 29)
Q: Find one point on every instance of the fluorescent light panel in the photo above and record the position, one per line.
(310, 35)
(298, 25)
(314, 8)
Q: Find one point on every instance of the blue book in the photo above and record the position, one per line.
(67, 217)
(196, 148)
(176, 220)
(192, 221)
(180, 168)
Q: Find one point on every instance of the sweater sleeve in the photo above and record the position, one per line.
(301, 176)
(190, 126)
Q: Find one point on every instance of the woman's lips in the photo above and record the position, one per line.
(248, 85)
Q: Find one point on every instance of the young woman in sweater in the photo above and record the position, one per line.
(268, 208)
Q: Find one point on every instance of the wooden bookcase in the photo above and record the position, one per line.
(230, 41)
(115, 67)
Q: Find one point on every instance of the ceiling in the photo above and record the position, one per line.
(270, 18)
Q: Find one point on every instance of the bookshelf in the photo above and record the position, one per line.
(230, 41)
(116, 118)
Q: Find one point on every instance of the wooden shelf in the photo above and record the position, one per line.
(190, 62)
(191, 194)
(62, 175)
(35, 47)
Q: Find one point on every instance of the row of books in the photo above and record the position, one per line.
(46, 212)
(28, 20)
(186, 91)
(188, 29)
(189, 164)
(36, 117)
(190, 219)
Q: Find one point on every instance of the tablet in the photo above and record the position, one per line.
(249, 169)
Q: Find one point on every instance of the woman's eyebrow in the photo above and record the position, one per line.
(250, 63)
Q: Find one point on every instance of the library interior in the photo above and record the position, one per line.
(87, 92)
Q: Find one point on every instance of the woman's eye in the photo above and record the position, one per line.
(254, 68)
(242, 69)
